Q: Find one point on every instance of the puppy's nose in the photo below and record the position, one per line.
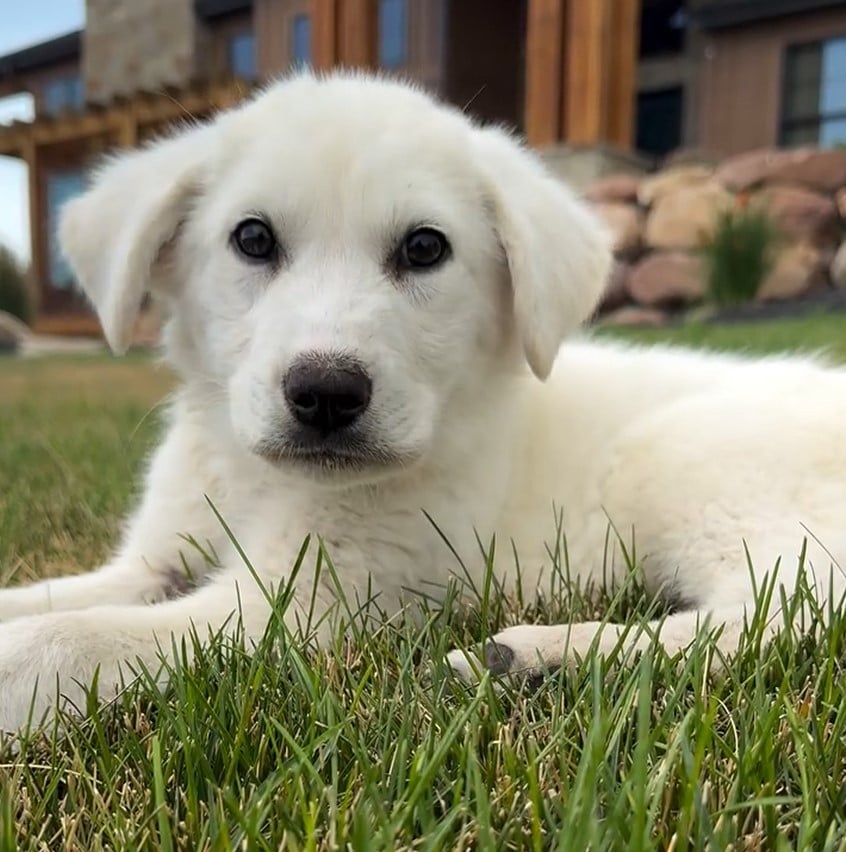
(327, 397)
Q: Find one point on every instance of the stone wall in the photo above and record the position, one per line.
(661, 221)
(144, 44)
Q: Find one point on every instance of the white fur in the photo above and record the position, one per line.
(702, 456)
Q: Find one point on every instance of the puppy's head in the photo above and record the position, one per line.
(346, 264)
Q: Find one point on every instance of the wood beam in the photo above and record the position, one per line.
(585, 104)
(358, 33)
(543, 97)
(622, 94)
(600, 63)
(324, 33)
(37, 243)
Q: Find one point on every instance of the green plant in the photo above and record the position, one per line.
(740, 254)
(14, 295)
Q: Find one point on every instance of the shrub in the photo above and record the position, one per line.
(740, 254)
(14, 294)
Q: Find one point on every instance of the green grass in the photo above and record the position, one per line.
(369, 745)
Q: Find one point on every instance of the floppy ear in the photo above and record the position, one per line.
(113, 234)
(558, 252)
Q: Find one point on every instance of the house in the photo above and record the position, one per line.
(595, 84)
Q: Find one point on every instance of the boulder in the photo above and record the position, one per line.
(824, 171)
(667, 279)
(799, 270)
(840, 201)
(633, 315)
(614, 188)
(747, 171)
(653, 188)
(626, 225)
(686, 217)
(837, 270)
(800, 214)
(13, 333)
(616, 291)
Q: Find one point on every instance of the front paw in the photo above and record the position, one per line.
(49, 661)
(526, 651)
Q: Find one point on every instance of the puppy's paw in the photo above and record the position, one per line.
(525, 652)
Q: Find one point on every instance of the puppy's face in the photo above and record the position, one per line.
(351, 265)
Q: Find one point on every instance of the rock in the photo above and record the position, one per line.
(632, 315)
(667, 279)
(13, 333)
(616, 291)
(800, 214)
(690, 156)
(820, 170)
(799, 270)
(654, 188)
(824, 171)
(747, 171)
(626, 224)
(840, 201)
(686, 217)
(614, 188)
(837, 270)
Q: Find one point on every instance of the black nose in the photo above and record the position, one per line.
(327, 396)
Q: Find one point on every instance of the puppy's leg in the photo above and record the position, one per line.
(65, 649)
(155, 561)
(529, 649)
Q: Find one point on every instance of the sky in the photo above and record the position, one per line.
(24, 24)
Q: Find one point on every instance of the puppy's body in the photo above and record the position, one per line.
(696, 457)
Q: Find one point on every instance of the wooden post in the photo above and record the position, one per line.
(324, 33)
(543, 99)
(37, 216)
(358, 33)
(622, 94)
(600, 67)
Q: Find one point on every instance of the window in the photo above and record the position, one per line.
(393, 33)
(814, 95)
(301, 40)
(242, 55)
(61, 188)
(659, 121)
(63, 94)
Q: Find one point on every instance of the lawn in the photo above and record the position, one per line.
(370, 745)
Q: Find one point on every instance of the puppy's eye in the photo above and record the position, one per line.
(423, 249)
(255, 240)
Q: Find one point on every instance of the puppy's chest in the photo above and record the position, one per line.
(393, 546)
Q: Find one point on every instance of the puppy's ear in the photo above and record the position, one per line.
(558, 252)
(114, 233)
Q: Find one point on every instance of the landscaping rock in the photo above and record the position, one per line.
(13, 333)
(800, 270)
(633, 315)
(824, 171)
(655, 187)
(614, 188)
(617, 290)
(801, 215)
(747, 171)
(667, 279)
(626, 225)
(837, 271)
(685, 218)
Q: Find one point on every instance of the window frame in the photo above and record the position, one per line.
(816, 120)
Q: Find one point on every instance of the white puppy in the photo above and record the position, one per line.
(360, 284)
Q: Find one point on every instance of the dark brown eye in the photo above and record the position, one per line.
(255, 240)
(423, 249)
